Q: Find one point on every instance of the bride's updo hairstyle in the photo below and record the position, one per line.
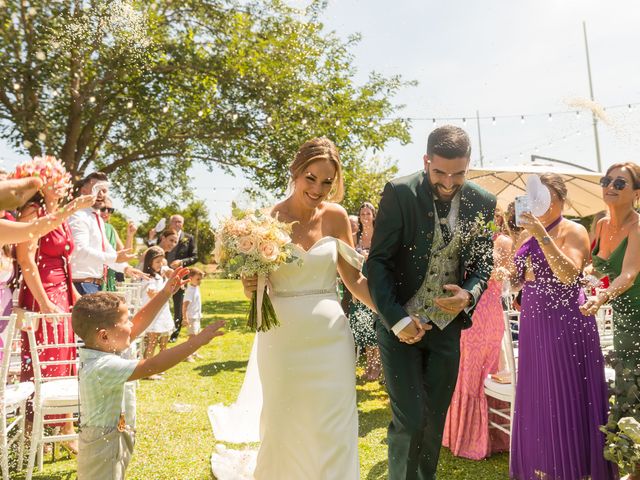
(315, 150)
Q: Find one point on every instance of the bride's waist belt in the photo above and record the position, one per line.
(303, 293)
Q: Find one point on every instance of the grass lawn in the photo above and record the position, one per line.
(174, 435)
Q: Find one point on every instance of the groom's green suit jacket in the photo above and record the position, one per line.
(402, 238)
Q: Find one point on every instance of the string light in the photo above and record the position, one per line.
(521, 116)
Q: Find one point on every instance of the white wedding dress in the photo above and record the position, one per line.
(308, 426)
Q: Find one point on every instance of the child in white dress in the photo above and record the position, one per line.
(160, 329)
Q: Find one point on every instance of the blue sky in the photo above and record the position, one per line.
(500, 57)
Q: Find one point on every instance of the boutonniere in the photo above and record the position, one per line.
(184, 241)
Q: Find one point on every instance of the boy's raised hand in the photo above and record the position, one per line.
(209, 332)
(176, 280)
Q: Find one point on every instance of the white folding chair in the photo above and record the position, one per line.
(53, 395)
(505, 391)
(604, 321)
(13, 397)
(132, 292)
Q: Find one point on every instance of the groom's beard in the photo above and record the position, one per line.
(444, 196)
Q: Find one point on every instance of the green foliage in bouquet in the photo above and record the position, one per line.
(622, 432)
(252, 243)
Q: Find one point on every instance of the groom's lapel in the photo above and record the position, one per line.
(426, 221)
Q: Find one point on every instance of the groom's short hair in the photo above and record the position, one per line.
(449, 141)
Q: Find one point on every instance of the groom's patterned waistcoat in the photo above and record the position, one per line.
(444, 268)
(402, 246)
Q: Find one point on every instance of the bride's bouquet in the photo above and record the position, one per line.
(253, 243)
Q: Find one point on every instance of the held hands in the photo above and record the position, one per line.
(176, 281)
(453, 305)
(413, 332)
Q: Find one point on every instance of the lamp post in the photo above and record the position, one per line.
(593, 115)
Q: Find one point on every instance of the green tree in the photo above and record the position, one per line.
(196, 222)
(365, 181)
(142, 89)
(119, 222)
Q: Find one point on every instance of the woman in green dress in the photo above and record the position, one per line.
(616, 254)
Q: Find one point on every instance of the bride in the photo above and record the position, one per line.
(306, 366)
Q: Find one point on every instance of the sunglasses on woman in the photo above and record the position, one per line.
(107, 209)
(618, 183)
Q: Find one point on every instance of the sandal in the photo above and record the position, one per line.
(70, 447)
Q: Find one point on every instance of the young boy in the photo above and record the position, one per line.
(106, 406)
(192, 306)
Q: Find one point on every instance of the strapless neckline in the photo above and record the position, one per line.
(317, 243)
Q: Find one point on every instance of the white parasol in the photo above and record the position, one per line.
(584, 195)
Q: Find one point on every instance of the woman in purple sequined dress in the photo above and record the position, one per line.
(561, 394)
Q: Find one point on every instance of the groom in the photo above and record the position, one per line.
(430, 259)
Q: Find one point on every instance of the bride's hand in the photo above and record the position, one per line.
(250, 285)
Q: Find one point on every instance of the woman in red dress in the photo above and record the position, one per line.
(46, 286)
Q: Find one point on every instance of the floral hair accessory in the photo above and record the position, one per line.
(49, 169)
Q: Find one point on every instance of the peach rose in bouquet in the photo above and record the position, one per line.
(254, 243)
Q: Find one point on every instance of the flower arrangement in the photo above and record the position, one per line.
(49, 169)
(252, 243)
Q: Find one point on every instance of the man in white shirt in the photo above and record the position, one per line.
(92, 253)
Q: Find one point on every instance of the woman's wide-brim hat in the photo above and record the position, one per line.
(539, 195)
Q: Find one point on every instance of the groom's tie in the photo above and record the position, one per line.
(443, 210)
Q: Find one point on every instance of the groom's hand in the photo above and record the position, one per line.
(413, 332)
(453, 305)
